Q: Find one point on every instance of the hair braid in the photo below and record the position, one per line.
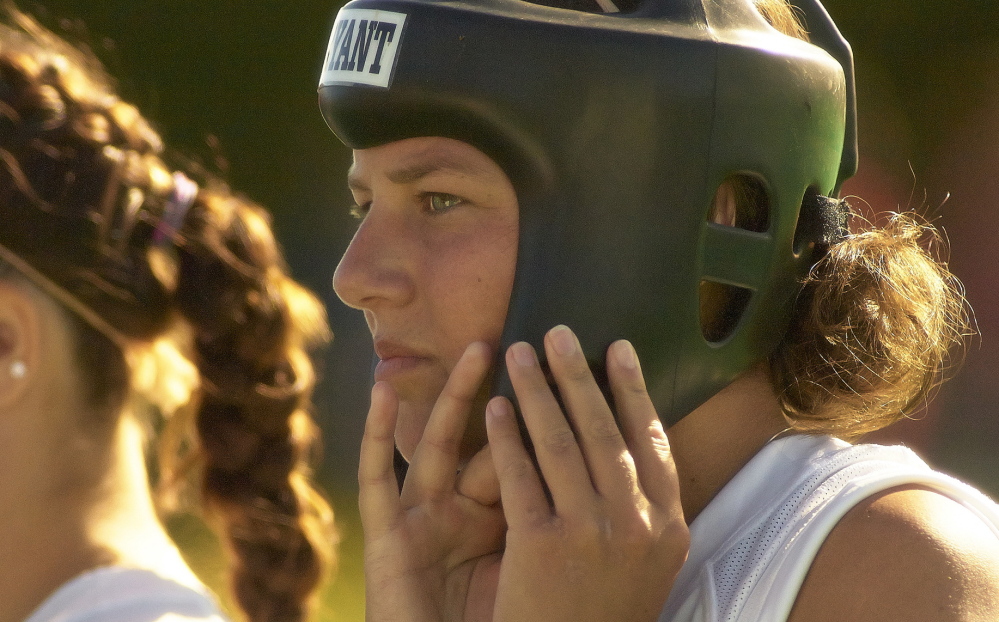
(251, 325)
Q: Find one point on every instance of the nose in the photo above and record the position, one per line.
(374, 271)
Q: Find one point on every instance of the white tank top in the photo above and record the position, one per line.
(751, 547)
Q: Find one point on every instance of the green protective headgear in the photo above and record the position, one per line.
(616, 131)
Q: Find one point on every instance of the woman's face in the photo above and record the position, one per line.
(431, 265)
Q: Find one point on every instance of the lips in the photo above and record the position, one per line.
(396, 359)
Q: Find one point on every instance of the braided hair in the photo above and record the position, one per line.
(139, 255)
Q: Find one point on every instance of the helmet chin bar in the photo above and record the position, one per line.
(616, 131)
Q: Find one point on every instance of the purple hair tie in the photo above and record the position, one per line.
(177, 206)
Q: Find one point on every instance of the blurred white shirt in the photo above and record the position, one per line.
(117, 594)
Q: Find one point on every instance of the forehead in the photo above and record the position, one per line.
(408, 160)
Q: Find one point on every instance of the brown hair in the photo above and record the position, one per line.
(94, 217)
(874, 324)
(781, 15)
(876, 321)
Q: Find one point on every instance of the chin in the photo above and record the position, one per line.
(409, 428)
(412, 421)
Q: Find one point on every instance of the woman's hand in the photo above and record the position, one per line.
(605, 545)
(427, 548)
(611, 538)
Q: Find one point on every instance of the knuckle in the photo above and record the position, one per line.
(540, 524)
(377, 434)
(604, 430)
(516, 470)
(636, 532)
(677, 530)
(660, 444)
(674, 539)
(589, 532)
(375, 480)
(638, 537)
(456, 395)
(536, 530)
(577, 372)
(440, 443)
(635, 529)
(559, 442)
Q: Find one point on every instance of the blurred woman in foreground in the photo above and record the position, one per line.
(133, 299)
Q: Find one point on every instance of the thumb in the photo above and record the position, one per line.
(478, 480)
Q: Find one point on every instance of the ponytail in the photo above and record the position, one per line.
(876, 321)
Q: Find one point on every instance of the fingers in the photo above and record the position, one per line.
(378, 498)
(601, 441)
(434, 466)
(524, 500)
(620, 462)
(640, 424)
(559, 455)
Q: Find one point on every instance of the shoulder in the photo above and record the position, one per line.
(904, 554)
(118, 594)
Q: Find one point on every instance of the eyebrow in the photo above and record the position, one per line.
(423, 163)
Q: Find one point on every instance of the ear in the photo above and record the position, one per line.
(20, 342)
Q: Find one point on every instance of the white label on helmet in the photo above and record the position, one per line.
(363, 47)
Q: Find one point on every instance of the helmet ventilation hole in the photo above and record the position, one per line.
(721, 306)
(741, 201)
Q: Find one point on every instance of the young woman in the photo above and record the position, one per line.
(136, 303)
(662, 173)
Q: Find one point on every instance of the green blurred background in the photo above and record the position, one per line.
(232, 83)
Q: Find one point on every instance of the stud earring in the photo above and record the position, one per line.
(18, 369)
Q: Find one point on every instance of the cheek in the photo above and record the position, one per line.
(472, 288)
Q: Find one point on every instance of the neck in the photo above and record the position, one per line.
(70, 520)
(126, 520)
(712, 443)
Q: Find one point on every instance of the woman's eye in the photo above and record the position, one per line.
(359, 211)
(442, 202)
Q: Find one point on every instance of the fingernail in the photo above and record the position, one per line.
(563, 340)
(523, 354)
(497, 407)
(624, 354)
